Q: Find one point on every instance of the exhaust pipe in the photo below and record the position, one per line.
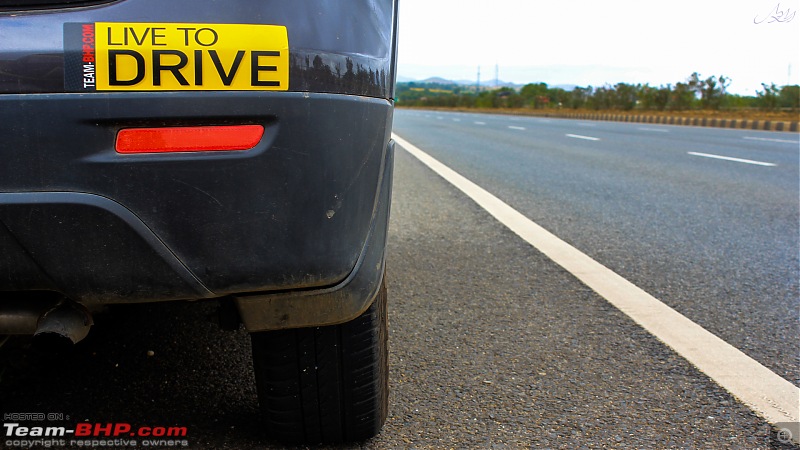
(68, 320)
(46, 319)
(21, 316)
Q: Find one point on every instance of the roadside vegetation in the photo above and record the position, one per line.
(695, 96)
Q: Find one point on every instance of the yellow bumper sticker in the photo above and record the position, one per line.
(114, 56)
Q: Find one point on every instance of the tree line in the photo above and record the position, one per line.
(696, 92)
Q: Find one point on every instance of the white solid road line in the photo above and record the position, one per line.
(659, 130)
(766, 393)
(516, 128)
(578, 136)
(728, 158)
(785, 141)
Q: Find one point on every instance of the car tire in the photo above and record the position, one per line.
(325, 384)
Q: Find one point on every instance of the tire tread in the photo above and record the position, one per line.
(325, 384)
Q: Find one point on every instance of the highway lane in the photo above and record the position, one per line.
(715, 239)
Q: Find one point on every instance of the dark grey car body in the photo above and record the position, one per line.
(291, 231)
(295, 212)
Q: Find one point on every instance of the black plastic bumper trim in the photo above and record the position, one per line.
(16, 205)
(337, 304)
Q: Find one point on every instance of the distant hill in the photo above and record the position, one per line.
(485, 84)
(436, 80)
(566, 87)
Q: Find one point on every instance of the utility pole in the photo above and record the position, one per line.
(496, 76)
(478, 87)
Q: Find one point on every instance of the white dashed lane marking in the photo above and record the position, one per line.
(785, 141)
(728, 158)
(578, 136)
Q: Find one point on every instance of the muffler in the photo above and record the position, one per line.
(47, 320)
(68, 320)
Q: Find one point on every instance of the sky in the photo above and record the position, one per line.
(587, 42)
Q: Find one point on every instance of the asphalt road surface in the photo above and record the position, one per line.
(493, 345)
(715, 239)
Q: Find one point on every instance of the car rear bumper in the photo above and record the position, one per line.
(302, 214)
(294, 212)
(336, 304)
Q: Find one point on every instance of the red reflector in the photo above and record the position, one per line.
(189, 139)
